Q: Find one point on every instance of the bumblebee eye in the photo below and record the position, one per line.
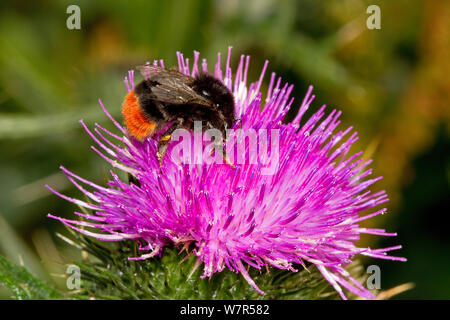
(206, 93)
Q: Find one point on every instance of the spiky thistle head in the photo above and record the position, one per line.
(297, 203)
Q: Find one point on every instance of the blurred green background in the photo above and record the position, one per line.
(392, 84)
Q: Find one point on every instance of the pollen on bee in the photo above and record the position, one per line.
(138, 125)
(166, 137)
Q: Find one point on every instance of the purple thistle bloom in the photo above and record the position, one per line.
(306, 211)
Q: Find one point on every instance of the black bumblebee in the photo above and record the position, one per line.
(168, 96)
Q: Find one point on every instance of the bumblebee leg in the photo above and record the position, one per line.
(132, 179)
(162, 148)
(164, 142)
(224, 155)
(227, 160)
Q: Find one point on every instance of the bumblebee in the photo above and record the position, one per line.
(167, 100)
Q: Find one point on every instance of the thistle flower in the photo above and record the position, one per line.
(307, 211)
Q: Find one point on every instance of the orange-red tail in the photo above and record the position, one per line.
(138, 126)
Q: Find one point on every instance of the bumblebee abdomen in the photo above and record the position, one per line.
(138, 125)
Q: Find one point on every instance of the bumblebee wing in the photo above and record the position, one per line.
(171, 87)
(161, 75)
(149, 70)
(174, 88)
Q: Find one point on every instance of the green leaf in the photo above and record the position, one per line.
(23, 284)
